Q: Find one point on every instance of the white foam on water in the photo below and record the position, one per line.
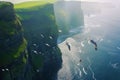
(80, 51)
(101, 40)
(93, 74)
(89, 42)
(115, 65)
(84, 71)
(80, 73)
(82, 44)
(118, 48)
(69, 57)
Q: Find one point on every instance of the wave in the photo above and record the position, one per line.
(84, 71)
(82, 44)
(118, 48)
(80, 73)
(115, 65)
(89, 42)
(93, 74)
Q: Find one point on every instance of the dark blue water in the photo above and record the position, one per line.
(103, 64)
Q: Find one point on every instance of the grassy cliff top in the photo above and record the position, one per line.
(30, 4)
(5, 4)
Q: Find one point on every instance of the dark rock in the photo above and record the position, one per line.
(12, 44)
(6, 11)
(41, 29)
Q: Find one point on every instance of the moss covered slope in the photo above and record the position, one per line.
(41, 32)
(12, 43)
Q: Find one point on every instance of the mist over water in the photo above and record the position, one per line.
(103, 64)
(101, 24)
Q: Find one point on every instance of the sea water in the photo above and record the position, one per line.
(103, 64)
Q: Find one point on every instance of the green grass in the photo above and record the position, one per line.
(38, 18)
(37, 61)
(4, 4)
(8, 56)
(20, 49)
(30, 4)
(7, 28)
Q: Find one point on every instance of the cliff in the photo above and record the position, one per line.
(69, 15)
(41, 32)
(12, 44)
(41, 58)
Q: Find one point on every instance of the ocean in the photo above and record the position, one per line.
(103, 64)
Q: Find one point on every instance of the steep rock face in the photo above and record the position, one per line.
(68, 15)
(41, 33)
(12, 44)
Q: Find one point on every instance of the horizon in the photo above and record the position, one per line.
(16, 1)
